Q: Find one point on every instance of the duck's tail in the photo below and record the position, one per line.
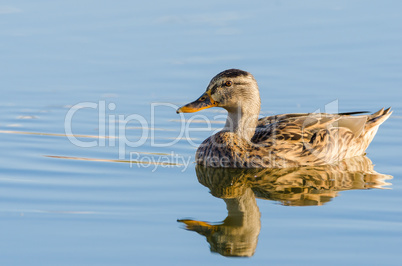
(372, 124)
(377, 118)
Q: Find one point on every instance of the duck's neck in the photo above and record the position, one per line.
(242, 120)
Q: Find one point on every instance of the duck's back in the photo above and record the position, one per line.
(318, 138)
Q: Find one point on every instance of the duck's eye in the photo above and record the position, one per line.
(228, 83)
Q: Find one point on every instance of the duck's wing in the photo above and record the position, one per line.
(287, 122)
(306, 139)
(294, 126)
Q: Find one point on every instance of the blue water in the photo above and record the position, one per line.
(61, 204)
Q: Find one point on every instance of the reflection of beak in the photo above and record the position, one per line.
(200, 227)
(204, 102)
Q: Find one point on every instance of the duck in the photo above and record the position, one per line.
(278, 141)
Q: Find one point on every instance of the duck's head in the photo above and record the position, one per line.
(230, 89)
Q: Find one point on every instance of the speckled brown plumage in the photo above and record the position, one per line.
(291, 140)
(288, 140)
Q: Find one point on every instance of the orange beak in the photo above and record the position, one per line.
(205, 101)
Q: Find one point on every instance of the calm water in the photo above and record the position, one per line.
(62, 204)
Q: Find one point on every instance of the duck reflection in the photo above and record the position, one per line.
(238, 234)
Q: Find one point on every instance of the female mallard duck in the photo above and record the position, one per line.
(288, 140)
